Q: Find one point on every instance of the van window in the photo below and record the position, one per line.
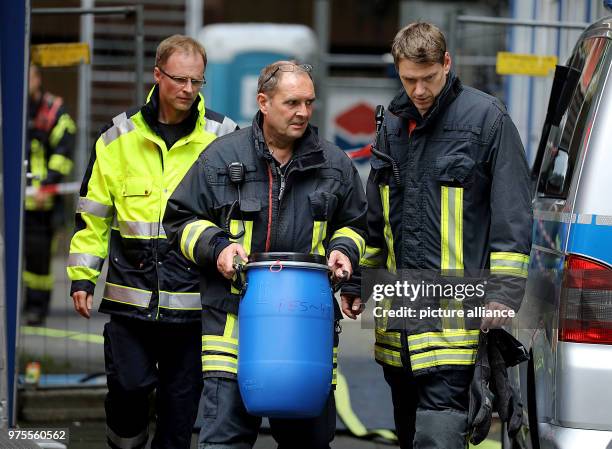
(563, 149)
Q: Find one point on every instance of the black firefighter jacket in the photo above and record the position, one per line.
(461, 203)
(316, 205)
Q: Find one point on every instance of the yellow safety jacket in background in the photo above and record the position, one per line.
(51, 135)
(123, 197)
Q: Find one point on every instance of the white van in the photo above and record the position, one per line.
(566, 317)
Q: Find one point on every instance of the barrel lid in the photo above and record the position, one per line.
(287, 257)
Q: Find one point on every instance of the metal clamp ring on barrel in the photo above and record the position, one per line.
(277, 264)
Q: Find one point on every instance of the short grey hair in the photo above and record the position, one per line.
(271, 74)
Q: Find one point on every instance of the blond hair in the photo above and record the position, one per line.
(178, 42)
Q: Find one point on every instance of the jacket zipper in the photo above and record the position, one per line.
(399, 257)
(281, 191)
(282, 186)
(159, 225)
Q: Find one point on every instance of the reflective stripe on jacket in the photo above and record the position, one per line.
(463, 203)
(123, 197)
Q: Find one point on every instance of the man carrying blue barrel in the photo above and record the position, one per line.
(274, 186)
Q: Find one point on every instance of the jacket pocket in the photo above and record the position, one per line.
(456, 169)
(250, 205)
(322, 205)
(248, 208)
(461, 132)
(468, 130)
(137, 186)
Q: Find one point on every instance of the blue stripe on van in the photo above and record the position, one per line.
(591, 240)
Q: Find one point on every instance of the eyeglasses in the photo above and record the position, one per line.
(182, 80)
(289, 68)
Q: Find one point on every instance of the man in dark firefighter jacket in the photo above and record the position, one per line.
(51, 134)
(299, 194)
(151, 291)
(451, 192)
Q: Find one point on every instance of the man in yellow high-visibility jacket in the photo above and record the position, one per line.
(152, 292)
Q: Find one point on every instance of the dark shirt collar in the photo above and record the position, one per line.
(403, 106)
(150, 113)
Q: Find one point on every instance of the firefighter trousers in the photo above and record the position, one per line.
(226, 423)
(38, 236)
(430, 410)
(141, 357)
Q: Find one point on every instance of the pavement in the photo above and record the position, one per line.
(90, 435)
(72, 384)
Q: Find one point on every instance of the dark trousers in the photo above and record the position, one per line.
(227, 424)
(141, 357)
(38, 237)
(430, 410)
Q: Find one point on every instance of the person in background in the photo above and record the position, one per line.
(49, 151)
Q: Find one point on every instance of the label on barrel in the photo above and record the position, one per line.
(306, 307)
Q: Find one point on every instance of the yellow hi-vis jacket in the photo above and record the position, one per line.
(123, 197)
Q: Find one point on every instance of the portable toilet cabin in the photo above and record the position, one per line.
(236, 54)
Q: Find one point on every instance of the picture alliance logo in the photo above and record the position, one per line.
(413, 291)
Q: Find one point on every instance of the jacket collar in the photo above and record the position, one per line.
(403, 106)
(308, 150)
(150, 112)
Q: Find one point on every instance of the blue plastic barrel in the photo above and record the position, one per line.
(286, 329)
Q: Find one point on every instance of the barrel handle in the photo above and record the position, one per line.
(276, 267)
(336, 281)
(238, 283)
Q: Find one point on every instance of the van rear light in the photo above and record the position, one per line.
(585, 313)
